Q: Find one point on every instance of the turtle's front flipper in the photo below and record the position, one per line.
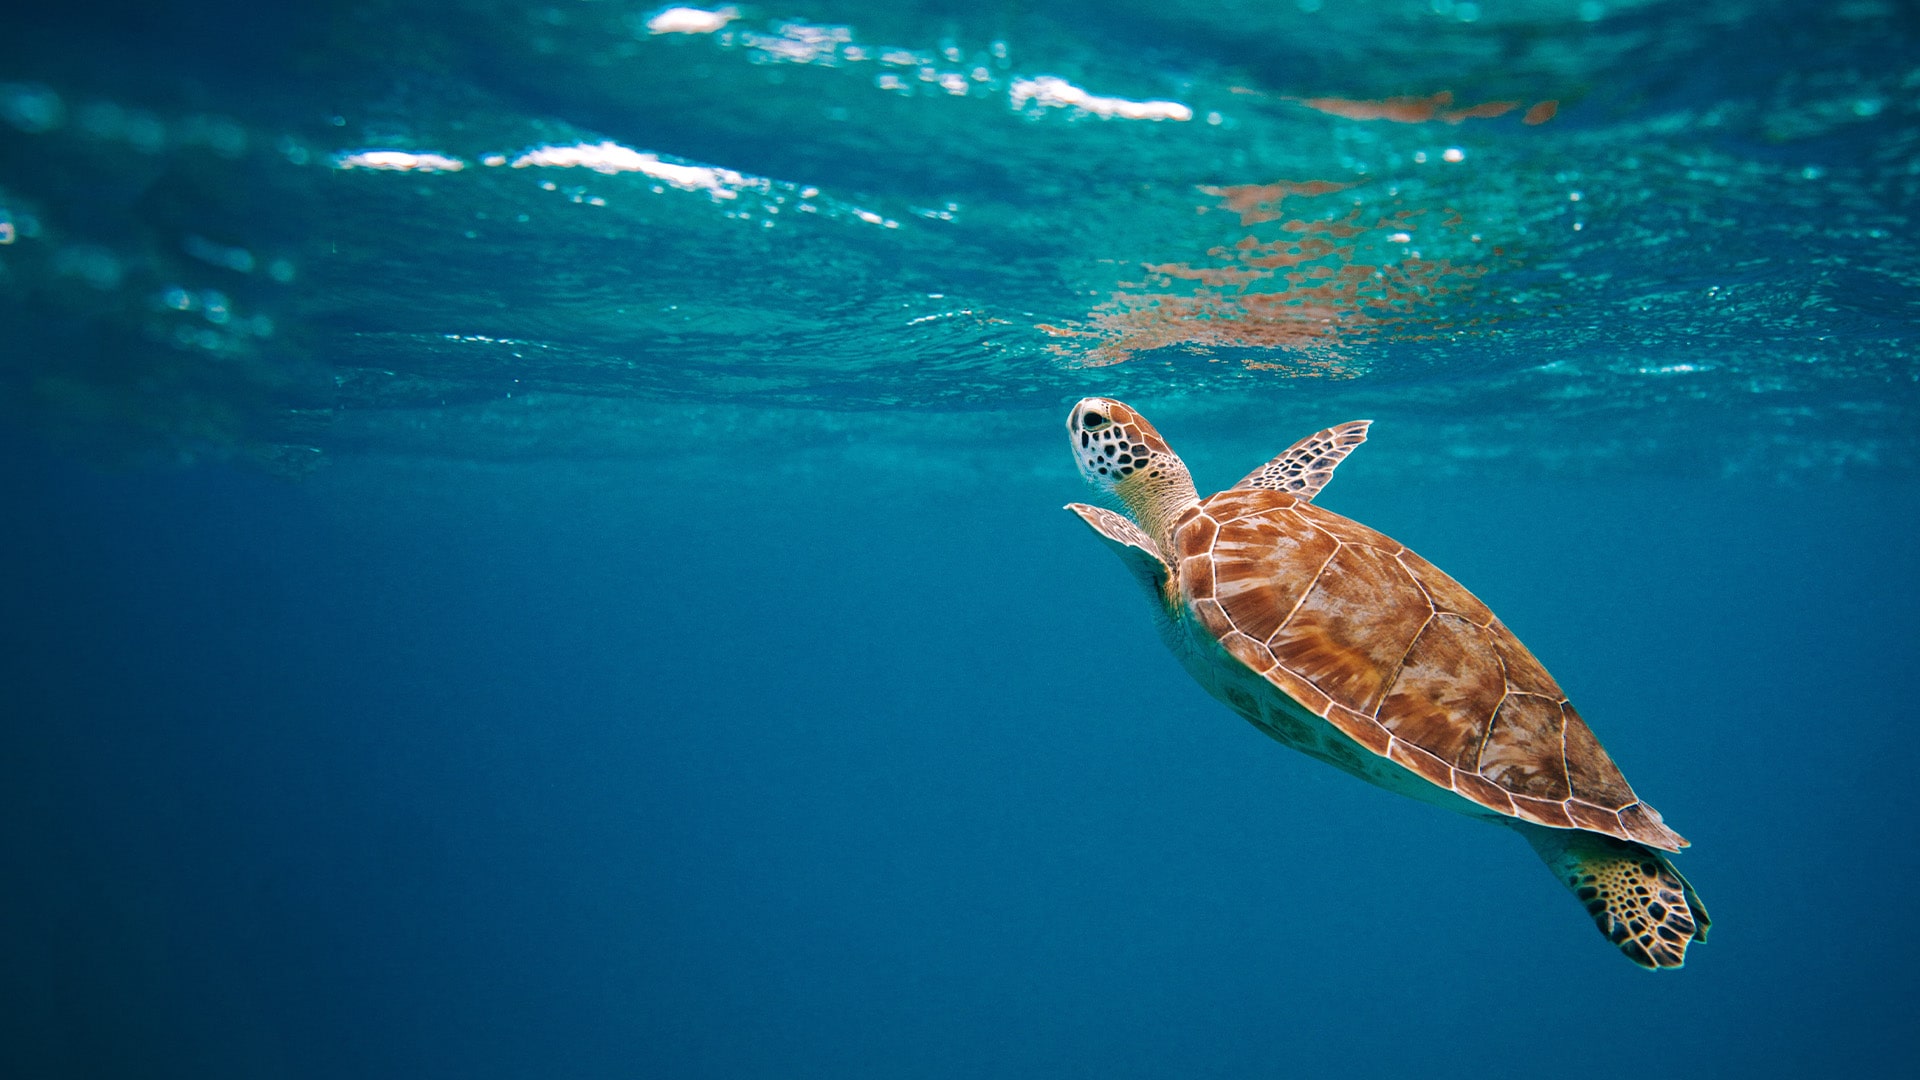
(1306, 466)
(1636, 897)
(1130, 542)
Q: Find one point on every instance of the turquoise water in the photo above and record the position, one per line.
(537, 540)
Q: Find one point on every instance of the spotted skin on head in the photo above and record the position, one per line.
(1306, 466)
(1635, 896)
(1115, 442)
(1120, 453)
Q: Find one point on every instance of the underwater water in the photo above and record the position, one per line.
(534, 540)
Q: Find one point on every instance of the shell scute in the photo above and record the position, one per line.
(1525, 675)
(1522, 751)
(1448, 596)
(1197, 575)
(1590, 772)
(1644, 823)
(1247, 651)
(1361, 729)
(1262, 569)
(1542, 812)
(1594, 819)
(1231, 505)
(1302, 691)
(1483, 791)
(1430, 768)
(1213, 617)
(1351, 629)
(1445, 695)
(1346, 530)
(1195, 535)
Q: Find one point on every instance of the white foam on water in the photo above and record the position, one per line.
(398, 161)
(1053, 92)
(611, 157)
(689, 20)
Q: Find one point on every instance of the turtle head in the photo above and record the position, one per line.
(1120, 453)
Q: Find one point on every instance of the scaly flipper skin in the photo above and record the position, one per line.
(1134, 547)
(1118, 529)
(1636, 897)
(1306, 466)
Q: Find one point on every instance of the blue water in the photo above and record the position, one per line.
(475, 620)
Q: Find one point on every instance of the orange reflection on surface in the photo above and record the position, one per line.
(1419, 110)
(1304, 284)
(1261, 202)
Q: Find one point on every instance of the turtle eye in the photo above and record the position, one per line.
(1092, 421)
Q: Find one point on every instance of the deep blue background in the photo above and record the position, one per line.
(428, 769)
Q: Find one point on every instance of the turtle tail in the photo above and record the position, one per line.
(1636, 897)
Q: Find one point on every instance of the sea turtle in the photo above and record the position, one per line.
(1342, 643)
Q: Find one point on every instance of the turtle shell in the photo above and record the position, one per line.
(1400, 658)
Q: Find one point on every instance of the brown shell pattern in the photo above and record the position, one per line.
(1402, 659)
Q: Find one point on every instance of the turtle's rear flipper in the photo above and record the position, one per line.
(1636, 897)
